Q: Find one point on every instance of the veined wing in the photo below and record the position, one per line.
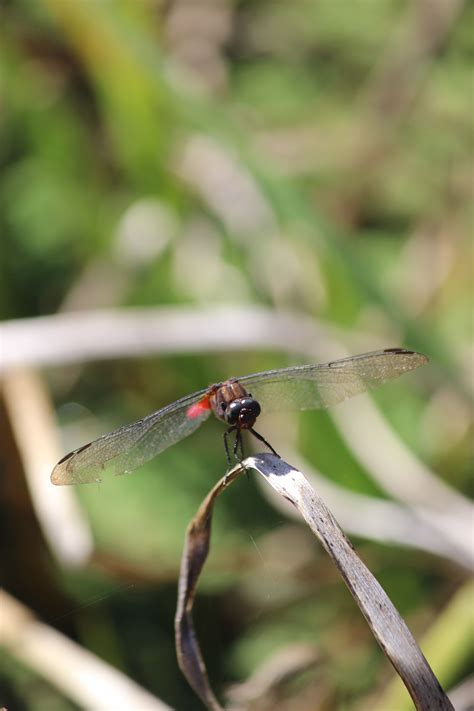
(130, 446)
(308, 387)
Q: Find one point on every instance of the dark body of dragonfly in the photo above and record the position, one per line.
(303, 387)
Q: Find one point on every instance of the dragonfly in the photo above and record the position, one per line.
(237, 402)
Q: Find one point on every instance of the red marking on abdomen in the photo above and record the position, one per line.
(198, 408)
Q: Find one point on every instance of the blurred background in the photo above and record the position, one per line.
(194, 190)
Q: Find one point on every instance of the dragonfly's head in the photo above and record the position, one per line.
(242, 412)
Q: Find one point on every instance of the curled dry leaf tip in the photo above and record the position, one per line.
(386, 624)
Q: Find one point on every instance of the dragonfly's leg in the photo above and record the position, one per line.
(238, 447)
(262, 439)
(226, 445)
(235, 447)
(242, 452)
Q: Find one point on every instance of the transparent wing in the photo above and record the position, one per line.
(130, 446)
(302, 387)
(308, 387)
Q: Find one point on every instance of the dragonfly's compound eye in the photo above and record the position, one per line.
(250, 407)
(243, 412)
(232, 412)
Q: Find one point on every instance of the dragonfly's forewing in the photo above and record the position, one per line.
(307, 387)
(130, 446)
(303, 387)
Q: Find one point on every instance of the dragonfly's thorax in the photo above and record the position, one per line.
(231, 403)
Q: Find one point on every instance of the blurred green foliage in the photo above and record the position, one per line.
(354, 208)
